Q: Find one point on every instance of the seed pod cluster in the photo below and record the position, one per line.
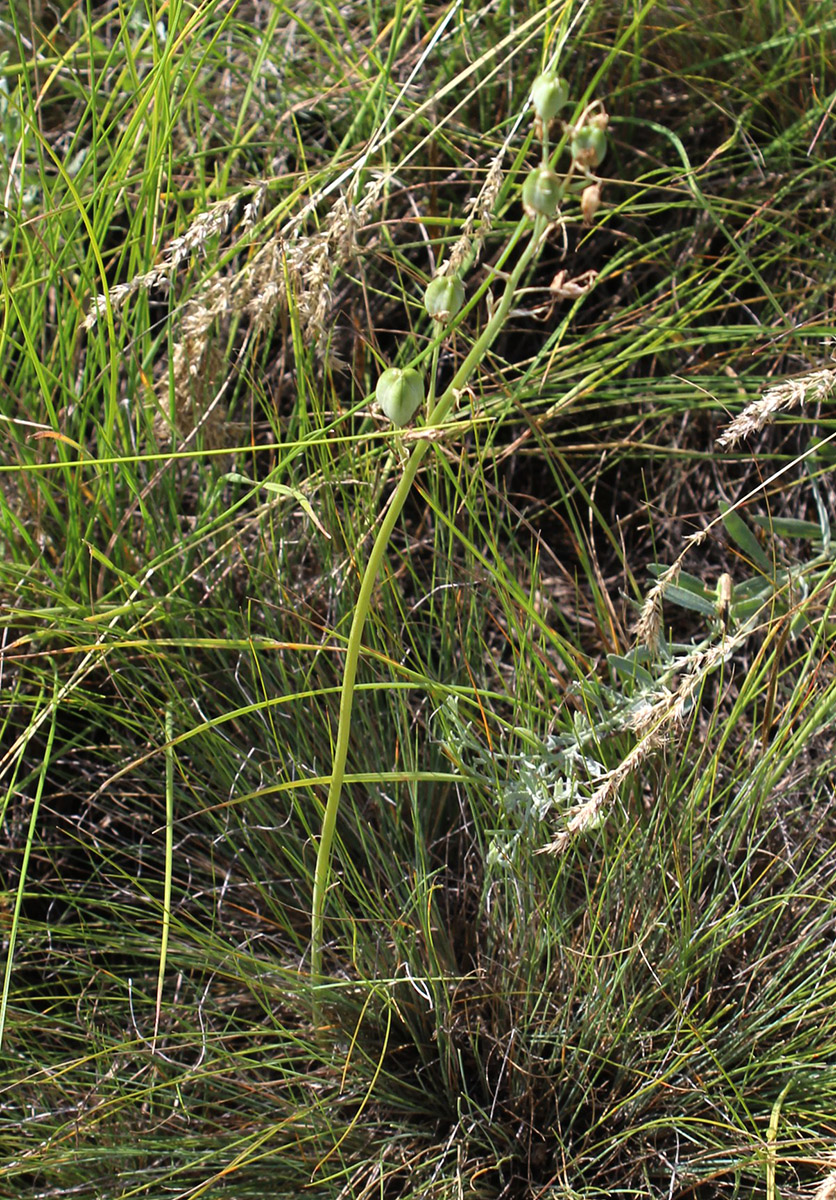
(543, 190)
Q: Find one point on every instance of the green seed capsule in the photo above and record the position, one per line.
(400, 393)
(589, 146)
(444, 297)
(548, 95)
(542, 193)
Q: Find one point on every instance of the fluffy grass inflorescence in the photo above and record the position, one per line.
(597, 618)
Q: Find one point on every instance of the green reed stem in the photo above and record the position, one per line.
(436, 416)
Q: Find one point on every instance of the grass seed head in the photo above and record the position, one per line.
(827, 1188)
(783, 397)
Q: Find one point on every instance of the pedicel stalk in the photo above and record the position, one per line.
(400, 394)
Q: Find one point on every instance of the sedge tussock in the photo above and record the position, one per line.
(783, 397)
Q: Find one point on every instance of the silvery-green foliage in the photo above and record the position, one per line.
(531, 786)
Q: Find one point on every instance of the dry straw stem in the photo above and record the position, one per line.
(651, 722)
(792, 393)
(827, 1188)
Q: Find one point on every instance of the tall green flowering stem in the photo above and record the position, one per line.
(437, 415)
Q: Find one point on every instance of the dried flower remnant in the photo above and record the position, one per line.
(590, 202)
(564, 288)
(783, 397)
(827, 1188)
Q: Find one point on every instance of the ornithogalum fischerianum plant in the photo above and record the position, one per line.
(408, 392)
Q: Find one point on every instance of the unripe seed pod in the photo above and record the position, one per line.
(542, 193)
(589, 146)
(444, 297)
(548, 95)
(400, 393)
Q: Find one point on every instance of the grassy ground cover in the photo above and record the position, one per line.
(577, 935)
